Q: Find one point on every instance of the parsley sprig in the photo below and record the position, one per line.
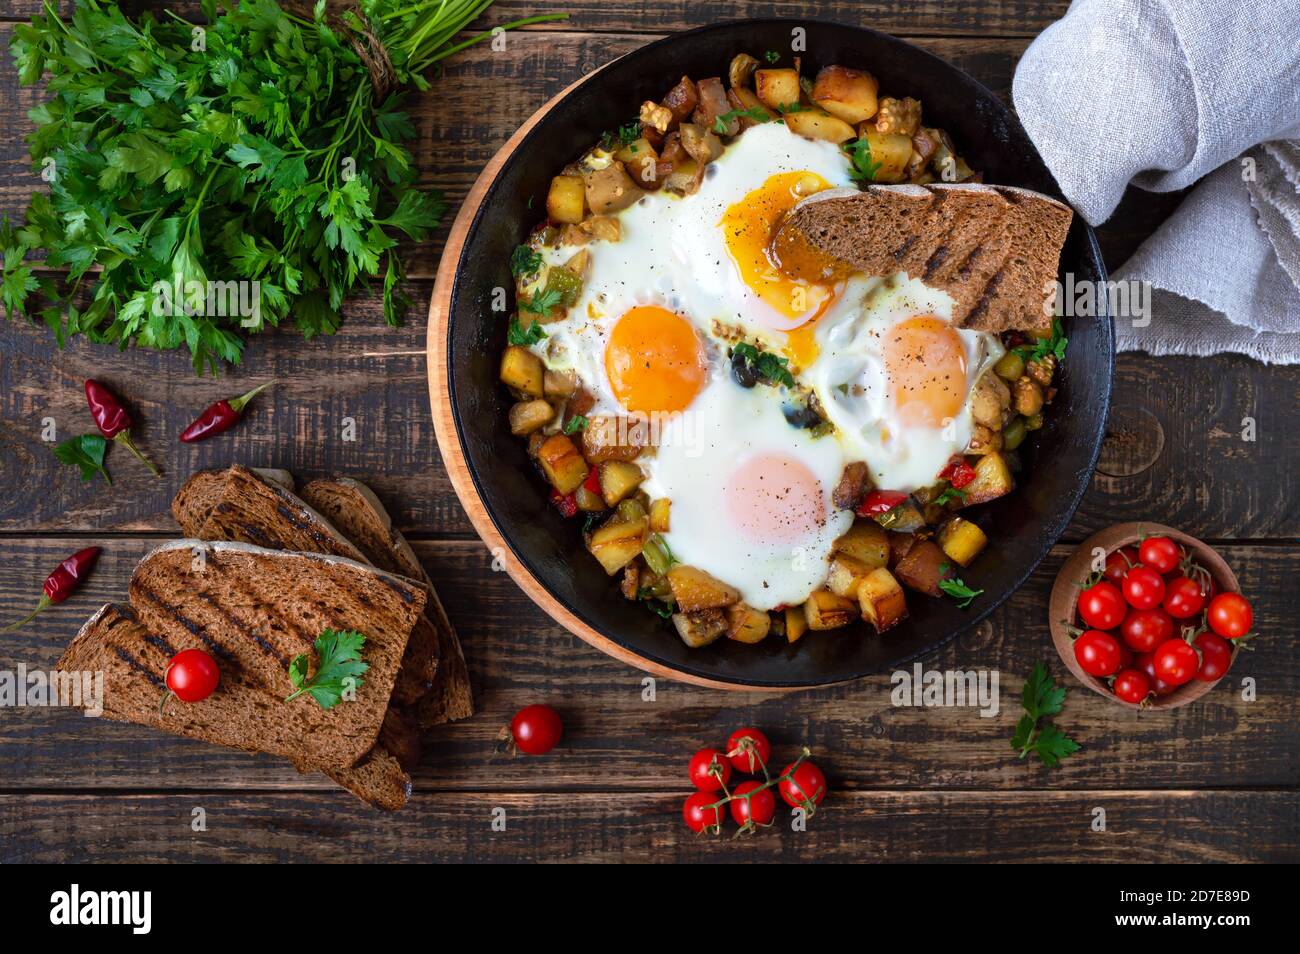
(86, 451)
(954, 587)
(768, 366)
(1041, 699)
(864, 168)
(339, 668)
(519, 335)
(1054, 345)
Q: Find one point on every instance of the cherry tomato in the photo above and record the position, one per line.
(750, 757)
(1160, 553)
(806, 784)
(1097, 652)
(699, 814)
(1132, 685)
(1118, 563)
(1126, 656)
(536, 729)
(1231, 615)
(192, 675)
(1144, 630)
(1183, 597)
(1101, 606)
(1216, 656)
(1143, 587)
(702, 772)
(1146, 663)
(760, 807)
(1176, 662)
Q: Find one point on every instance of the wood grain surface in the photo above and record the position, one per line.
(1215, 781)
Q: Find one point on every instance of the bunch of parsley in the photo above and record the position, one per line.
(251, 147)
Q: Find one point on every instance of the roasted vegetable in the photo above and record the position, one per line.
(618, 479)
(559, 384)
(1028, 396)
(529, 416)
(796, 623)
(610, 189)
(888, 154)
(827, 610)
(899, 544)
(682, 99)
(899, 116)
(741, 70)
(853, 481)
(642, 163)
(521, 370)
(867, 542)
(713, 106)
(696, 590)
(990, 400)
(845, 575)
(777, 88)
(700, 143)
(752, 112)
(847, 94)
(659, 515)
(562, 464)
(816, 124)
(613, 438)
(881, 600)
(923, 567)
(700, 627)
(618, 543)
(962, 540)
(992, 479)
(566, 201)
(746, 624)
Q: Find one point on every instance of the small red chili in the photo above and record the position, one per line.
(567, 504)
(60, 584)
(958, 473)
(221, 416)
(880, 501)
(112, 420)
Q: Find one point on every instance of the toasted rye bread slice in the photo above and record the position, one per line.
(355, 509)
(254, 609)
(994, 249)
(134, 663)
(193, 503)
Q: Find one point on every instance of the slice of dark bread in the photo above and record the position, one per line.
(254, 609)
(994, 249)
(193, 503)
(355, 510)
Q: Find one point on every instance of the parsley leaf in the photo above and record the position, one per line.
(768, 366)
(771, 56)
(87, 452)
(959, 591)
(1041, 699)
(524, 261)
(1054, 345)
(756, 113)
(950, 494)
(575, 424)
(864, 167)
(542, 302)
(339, 668)
(519, 335)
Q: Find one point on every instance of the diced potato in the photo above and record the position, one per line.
(713, 106)
(682, 99)
(891, 151)
(882, 600)
(618, 543)
(589, 502)
(796, 623)
(610, 189)
(777, 88)
(562, 464)
(746, 624)
(700, 144)
(904, 518)
(566, 201)
(846, 573)
(613, 438)
(685, 177)
(818, 125)
(529, 416)
(746, 100)
(559, 384)
(696, 590)
(867, 542)
(641, 162)
(991, 399)
(618, 479)
(522, 371)
(827, 610)
(847, 94)
(741, 70)
(923, 567)
(701, 627)
(992, 479)
(899, 544)
(630, 585)
(853, 481)
(962, 540)
(659, 511)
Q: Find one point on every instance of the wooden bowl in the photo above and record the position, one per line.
(1069, 583)
(498, 485)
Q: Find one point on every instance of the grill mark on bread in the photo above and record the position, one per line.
(138, 666)
(198, 631)
(935, 262)
(160, 644)
(243, 629)
(981, 306)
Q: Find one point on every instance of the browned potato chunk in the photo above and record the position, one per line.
(589, 502)
(891, 152)
(641, 162)
(818, 125)
(744, 99)
(852, 483)
(559, 384)
(846, 573)
(899, 544)
(618, 479)
(613, 438)
(562, 464)
(882, 600)
(685, 177)
(566, 201)
(682, 99)
(867, 542)
(610, 189)
(700, 143)
(777, 88)
(700, 628)
(992, 479)
(827, 610)
(923, 567)
(618, 543)
(741, 70)
(696, 590)
(746, 624)
(847, 94)
(659, 515)
(529, 416)
(522, 370)
(713, 105)
(962, 540)
(796, 623)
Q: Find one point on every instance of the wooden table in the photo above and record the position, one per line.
(1215, 781)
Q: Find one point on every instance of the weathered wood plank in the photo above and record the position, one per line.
(617, 740)
(880, 826)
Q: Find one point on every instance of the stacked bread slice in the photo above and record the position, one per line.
(261, 574)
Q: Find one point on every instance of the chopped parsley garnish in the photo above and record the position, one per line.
(958, 590)
(770, 367)
(519, 335)
(575, 424)
(1054, 345)
(864, 167)
(524, 261)
(646, 595)
(542, 302)
(771, 56)
(795, 107)
(339, 668)
(950, 494)
(756, 113)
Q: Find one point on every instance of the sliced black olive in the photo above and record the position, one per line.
(801, 415)
(743, 371)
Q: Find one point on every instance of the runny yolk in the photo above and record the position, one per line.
(654, 360)
(925, 365)
(775, 497)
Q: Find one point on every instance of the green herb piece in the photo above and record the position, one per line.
(770, 367)
(542, 302)
(864, 168)
(575, 424)
(524, 337)
(590, 519)
(629, 133)
(339, 668)
(1054, 345)
(1041, 699)
(756, 113)
(796, 107)
(958, 590)
(771, 56)
(656, 604)
(87, 452)
(950, 494)
(821, 430)
(658, 557)
(524, 261)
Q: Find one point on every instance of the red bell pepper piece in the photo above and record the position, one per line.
(221, 416)
(958, 473)
(113, 420)
(880, 501)
(592, 483)
(60, 584)
(567, 504)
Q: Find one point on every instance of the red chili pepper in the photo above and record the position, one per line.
(592, 483)
(60, 584)
(958, 473)
(880, 501)
(112, 420)
(221, 416)
(567, 504)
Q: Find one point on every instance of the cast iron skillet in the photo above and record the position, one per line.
(1021, 526)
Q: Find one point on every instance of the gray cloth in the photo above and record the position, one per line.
(1161, 93)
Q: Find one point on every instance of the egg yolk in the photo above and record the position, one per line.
(748, 228)
(925, 364)
(775, 497)
(654, 360)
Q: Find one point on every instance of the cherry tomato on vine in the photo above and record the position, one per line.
(760, 807)
(1216, 656)
(1144, 630)
(1143, 587)
(1231, 615)
(1183, 597)
(1161, 554)
(1118, 563)
(703, 776)
(749, 757)
(698, 813)
(536, 729)
(1097, 652)
(805, 784)
(1132, 685)
(1101, 606)
(1176, 662)
(1146, 663)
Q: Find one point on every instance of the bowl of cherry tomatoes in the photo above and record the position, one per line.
(1148, 616)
